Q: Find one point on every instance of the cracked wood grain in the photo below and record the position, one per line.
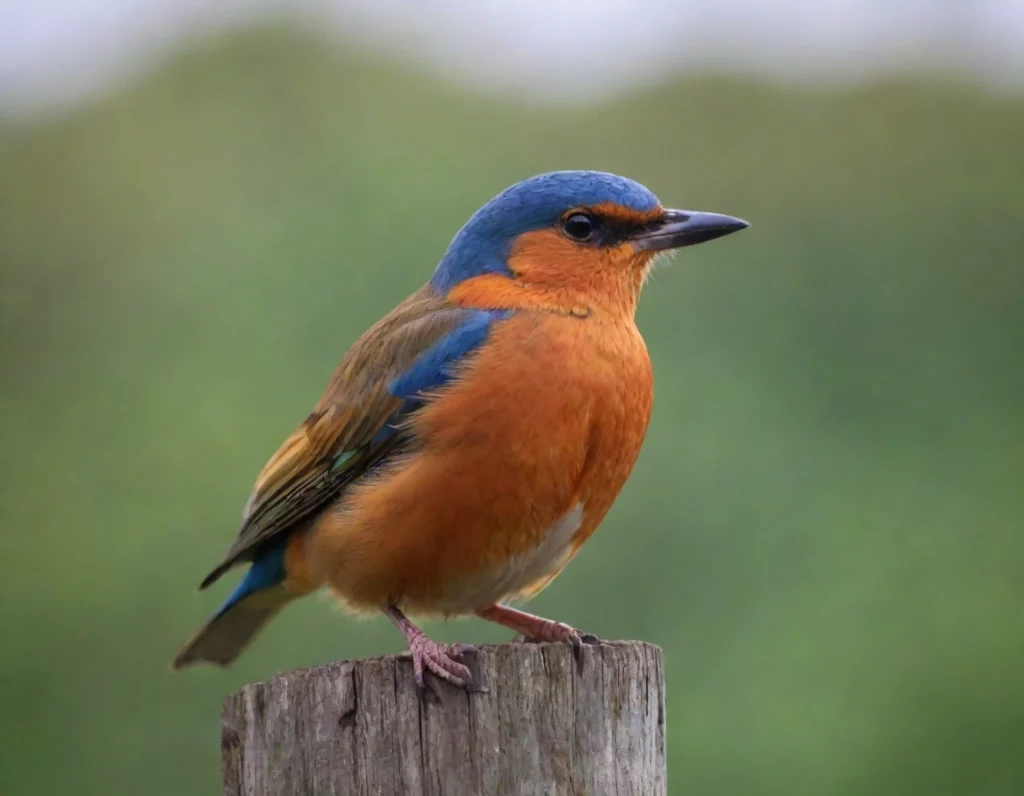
(548, 726)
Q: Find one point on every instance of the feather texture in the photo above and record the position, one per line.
(360, 420)
(549, 415)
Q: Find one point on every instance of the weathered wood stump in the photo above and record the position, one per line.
(547, 725)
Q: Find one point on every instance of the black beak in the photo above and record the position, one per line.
(679, 228)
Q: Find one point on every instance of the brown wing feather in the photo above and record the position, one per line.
(304, 474)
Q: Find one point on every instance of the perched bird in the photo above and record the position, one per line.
(472, 440)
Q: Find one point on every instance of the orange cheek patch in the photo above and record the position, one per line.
(550, 273)
(554, 273)
(545, 254)
(626, 255)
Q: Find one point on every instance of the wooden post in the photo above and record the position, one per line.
(548, 725)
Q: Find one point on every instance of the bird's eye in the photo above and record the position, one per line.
(579, 226)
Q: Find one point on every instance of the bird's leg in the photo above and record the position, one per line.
(536, 628)
(432, 655)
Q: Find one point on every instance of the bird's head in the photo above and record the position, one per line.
(580, 242)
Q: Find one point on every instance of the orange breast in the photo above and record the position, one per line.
(541, 429)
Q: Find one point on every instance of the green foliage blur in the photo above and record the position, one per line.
(824, 530)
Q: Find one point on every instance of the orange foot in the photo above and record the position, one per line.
(536, 628)
(429, 655)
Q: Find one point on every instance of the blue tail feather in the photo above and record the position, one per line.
(266, 571)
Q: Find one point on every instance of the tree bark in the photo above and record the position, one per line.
(547, 725)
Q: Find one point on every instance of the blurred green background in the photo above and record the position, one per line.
(823, 530)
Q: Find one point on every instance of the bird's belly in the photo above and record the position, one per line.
(511, 475)
(511, 576)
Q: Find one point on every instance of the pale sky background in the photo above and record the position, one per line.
(55, 53)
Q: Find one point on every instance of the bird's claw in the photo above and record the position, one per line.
(429, 655)
(557, 632)
(579, 641)
(441, 660)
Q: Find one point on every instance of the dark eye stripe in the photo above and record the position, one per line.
(587, 226)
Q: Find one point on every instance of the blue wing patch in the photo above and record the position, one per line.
(436, 366)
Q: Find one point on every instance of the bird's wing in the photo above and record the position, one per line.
(360, 420)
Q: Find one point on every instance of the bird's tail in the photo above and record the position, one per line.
(223, 637)
(256, 601)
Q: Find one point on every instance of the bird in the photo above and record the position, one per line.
(474, 438)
